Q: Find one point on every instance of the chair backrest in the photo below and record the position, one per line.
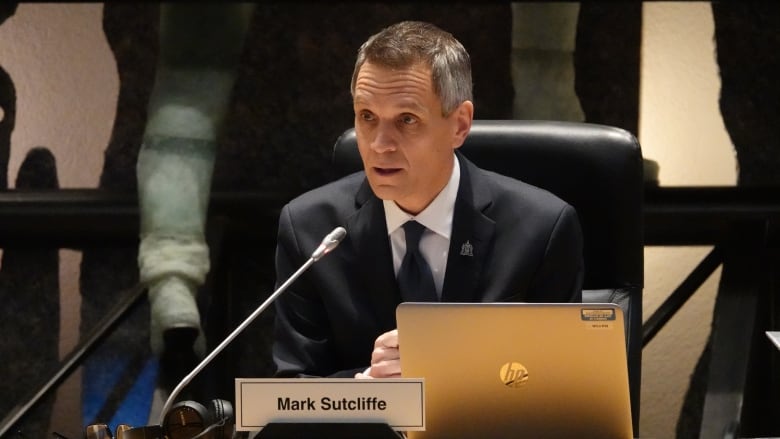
(595, 168)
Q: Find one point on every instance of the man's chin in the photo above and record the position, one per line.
(384, 191)
(385, 195)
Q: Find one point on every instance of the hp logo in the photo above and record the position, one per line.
(513, 374)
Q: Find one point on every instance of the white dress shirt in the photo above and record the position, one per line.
(437, 219)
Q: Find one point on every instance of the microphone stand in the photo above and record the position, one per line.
(329, 243)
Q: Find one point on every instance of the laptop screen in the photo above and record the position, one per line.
(508, 370)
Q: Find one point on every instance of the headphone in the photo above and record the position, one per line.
(191, 420)
(185, 420)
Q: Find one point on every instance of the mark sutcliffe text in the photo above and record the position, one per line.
(361, 403)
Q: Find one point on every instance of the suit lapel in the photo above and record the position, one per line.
(374, 257)
(471, 238)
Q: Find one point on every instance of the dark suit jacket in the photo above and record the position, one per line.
(526, 246)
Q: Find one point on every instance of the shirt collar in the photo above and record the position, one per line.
(437, 216)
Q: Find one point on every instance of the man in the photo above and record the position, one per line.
(486, 238)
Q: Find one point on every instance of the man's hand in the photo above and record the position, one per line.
(385, 359)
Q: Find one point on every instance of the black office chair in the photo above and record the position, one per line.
(595, 168)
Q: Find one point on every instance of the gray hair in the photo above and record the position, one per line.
(408, 43)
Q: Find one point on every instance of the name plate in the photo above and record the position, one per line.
(397, 402)
(775, 337)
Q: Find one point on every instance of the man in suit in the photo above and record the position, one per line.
(486, 237)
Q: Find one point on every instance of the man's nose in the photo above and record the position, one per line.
(384, 140)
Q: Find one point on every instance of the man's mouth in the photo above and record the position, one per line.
(386, 171)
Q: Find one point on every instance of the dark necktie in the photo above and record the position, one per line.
(414, 277)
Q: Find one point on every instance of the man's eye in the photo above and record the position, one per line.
(367, 116)
(408, 120)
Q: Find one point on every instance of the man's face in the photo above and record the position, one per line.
(404, 140)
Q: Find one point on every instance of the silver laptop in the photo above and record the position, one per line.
(518, 370)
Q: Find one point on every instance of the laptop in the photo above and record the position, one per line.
(517, 370)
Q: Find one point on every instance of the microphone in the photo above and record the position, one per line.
(330, 242)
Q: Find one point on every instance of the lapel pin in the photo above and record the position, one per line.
(467, 249)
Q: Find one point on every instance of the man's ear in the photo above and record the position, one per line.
(463, 115)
